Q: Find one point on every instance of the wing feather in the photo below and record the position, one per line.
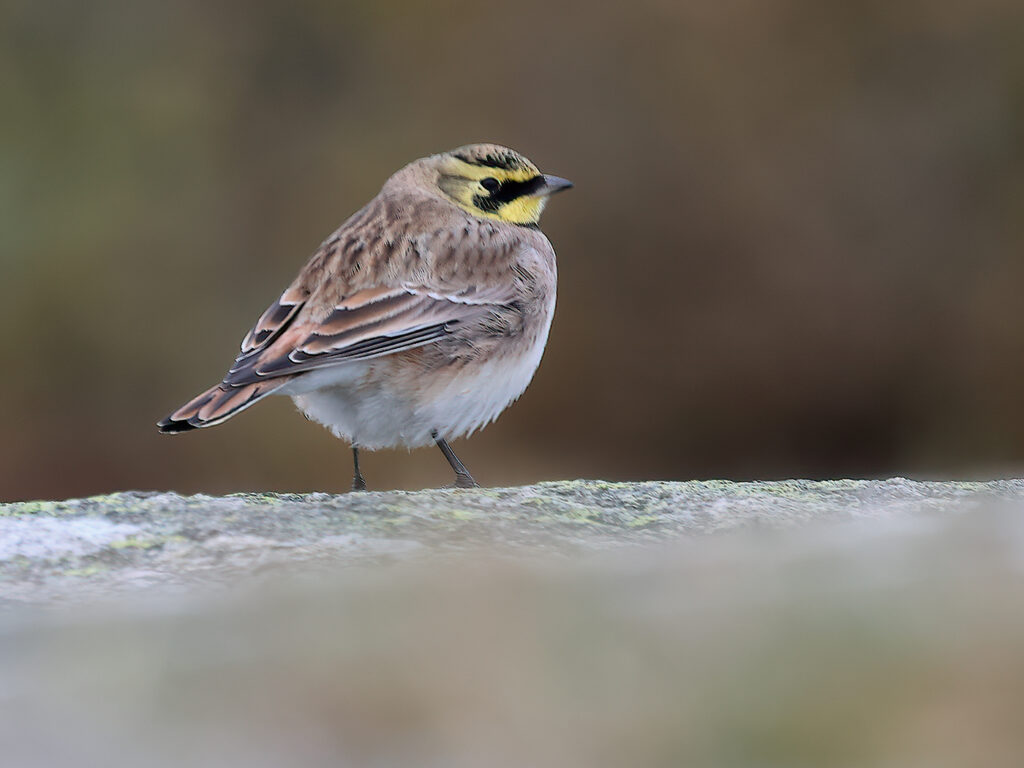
(360, 327)
(272, 322)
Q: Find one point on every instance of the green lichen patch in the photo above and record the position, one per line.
(133, 542)
(86, 571)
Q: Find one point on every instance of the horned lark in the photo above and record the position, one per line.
(418, 321)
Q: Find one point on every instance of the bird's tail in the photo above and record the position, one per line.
(217, 404)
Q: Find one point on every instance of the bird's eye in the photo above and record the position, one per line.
(490, 184)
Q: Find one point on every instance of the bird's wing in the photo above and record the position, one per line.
(369, 323)
(383, 283)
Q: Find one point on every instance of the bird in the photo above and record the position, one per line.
(417, 321)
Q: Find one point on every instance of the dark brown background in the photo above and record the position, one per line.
(794, 248)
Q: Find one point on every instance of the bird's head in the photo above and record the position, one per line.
(495, 182)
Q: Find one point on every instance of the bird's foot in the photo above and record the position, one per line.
(464, 481)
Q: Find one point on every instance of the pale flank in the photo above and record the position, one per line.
(418, 321)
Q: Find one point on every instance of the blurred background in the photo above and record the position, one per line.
(794, 248)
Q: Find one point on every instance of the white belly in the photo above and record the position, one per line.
(373, 404)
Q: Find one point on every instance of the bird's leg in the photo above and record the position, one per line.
(462, 477)
(358, 483)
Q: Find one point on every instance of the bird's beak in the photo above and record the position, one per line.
(554, 184)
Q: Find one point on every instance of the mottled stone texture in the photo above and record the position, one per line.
(576, 624)
(83, 546)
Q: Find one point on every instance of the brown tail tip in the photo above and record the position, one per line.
(215, 405)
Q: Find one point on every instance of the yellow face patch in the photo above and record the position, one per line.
(511, 194)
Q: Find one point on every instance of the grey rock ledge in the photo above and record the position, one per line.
(134, 539)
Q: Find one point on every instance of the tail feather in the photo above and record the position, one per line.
(217, 404)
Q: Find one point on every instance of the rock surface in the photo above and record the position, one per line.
(578, 625)
(69, 549)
